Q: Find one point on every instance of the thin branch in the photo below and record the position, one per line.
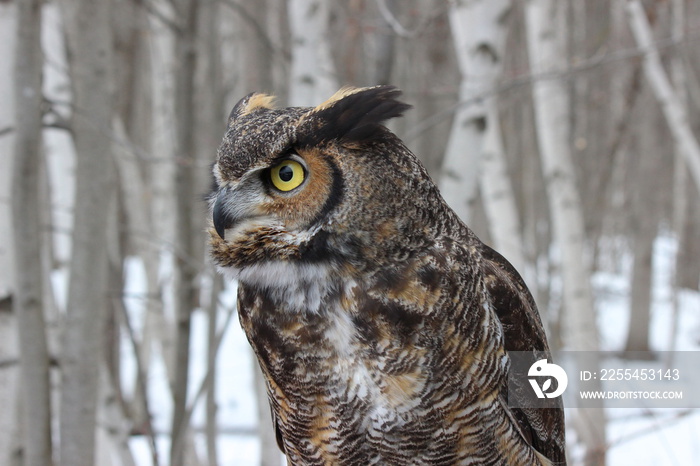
(63, 123)
(671, 106)
(151, 238)
(150, 8)
(393, 22)
(530, 78)
(257, 27)
(205, 381)
(141, 385)
(234, 431)
(129, 147)
(652, 428)
(602, 190)
(210, 420)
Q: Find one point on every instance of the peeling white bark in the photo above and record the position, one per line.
(475, 145)
(499, 200)
(552, 124)
(313, 78)
(8, 330)
(479, 35)
(546, 50)
(8, 22)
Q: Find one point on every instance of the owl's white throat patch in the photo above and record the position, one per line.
(299, 286)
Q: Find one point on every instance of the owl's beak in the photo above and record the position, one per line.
(223, 220)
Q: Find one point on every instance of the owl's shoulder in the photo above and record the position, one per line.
(512, 302)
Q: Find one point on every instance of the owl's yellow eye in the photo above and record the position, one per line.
(287, 175)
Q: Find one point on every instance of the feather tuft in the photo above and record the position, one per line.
(354, 115)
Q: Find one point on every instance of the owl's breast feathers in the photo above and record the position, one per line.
(405, 366)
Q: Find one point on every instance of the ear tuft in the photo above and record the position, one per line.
(250, 103)
(355, 114)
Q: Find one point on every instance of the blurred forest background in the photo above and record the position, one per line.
(564, 132)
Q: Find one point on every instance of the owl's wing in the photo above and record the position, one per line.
(523, 331)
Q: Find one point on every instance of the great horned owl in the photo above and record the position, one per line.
(381, 323)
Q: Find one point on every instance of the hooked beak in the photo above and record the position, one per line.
(223, 220)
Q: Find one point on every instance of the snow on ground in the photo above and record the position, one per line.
(656, 437)
(660, 437)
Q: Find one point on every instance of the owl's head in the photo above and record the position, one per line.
(328, 183)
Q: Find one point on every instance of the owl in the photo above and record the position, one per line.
(382, 324)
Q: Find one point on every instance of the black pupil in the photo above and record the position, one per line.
(286, 173)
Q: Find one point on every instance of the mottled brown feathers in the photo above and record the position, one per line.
(381, 323)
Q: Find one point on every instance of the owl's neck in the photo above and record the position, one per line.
(300, 285)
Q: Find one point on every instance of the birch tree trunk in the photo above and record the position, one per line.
(641, 289)
(255, 54)
(478, 29)
(87, 23)
(546, 52)
(674, 111)
(680, 173)
(58, 143)
(648, 175)
(499, 199)
(157, 330)
(28, 236)
(185, 181)
(381, 47)
(551, 116)
(211, 120)
(9, 418)
(8, 38)
(313, 77)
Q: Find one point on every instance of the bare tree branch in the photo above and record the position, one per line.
(673, 110)
(257, 27)
(205, 383)
(153, 10)
(392, 21)
(669, 421)
(147, 428)
(530, 78)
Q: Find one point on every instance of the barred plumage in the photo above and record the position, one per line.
(382, 324)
